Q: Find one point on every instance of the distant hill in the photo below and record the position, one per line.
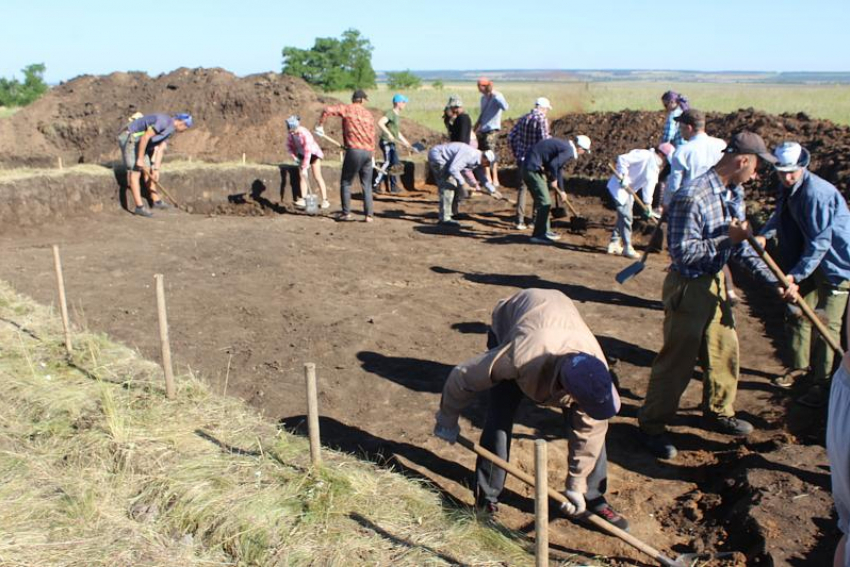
(595, 75)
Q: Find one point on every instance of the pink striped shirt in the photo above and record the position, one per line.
(302, 145)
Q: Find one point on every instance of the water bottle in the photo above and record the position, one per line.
(311, 202)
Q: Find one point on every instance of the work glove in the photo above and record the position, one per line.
(575, 505)
(319, 130)
(646, 214)
(490, 188)
(447, 429)
(624, 182)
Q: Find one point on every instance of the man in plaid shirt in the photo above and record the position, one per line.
(698, 320)
(358, 138)
(528, 130)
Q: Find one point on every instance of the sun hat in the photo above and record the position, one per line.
(791, 156)
(543, 102)
(455, 102)
(588, 381)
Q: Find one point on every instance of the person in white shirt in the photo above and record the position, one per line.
(690, 160)
(638, 169)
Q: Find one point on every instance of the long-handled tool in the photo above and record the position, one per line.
(807, 311)
(165, 192)
(684, 560)
(634, 269)
(633, 193)
(578, 223)
(329, 139)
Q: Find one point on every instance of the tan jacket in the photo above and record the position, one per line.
(536, 329)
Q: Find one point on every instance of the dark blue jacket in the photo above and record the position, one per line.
(549, 156)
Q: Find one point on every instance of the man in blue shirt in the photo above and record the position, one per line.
(489, 123)
(698, 320)
(812, 225)
(139, 143)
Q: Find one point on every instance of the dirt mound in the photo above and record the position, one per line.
(80, 119)
(615, 133)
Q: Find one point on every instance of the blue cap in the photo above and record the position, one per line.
(292, 122)
(399, 98)
(186, 118)
(587, 380)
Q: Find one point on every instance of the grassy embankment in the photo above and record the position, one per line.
(8, 110)
(97, 468)
(830, 102)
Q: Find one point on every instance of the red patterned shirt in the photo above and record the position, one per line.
(358, 125)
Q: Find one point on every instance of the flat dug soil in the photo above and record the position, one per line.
(385, 310)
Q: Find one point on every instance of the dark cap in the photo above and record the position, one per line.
(749, 143)
(692, 117)
(587, 380)
(359, 94)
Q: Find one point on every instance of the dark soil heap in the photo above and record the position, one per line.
(79, 120)
(615, 133)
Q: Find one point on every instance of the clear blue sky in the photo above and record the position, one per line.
(98, 36)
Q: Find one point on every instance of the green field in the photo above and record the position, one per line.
(8, 110)
(820, 101)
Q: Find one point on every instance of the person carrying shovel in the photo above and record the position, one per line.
(699, 323)
(539, 348)
(638, 170)
(547, 157)
(139, 143)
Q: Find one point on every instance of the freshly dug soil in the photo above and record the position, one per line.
(79, 120)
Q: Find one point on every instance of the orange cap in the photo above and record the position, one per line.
(484, 81)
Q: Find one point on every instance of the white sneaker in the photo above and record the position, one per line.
(630, 252)
(615, 247)
(326, 204)
(300, 203)
(521, 226)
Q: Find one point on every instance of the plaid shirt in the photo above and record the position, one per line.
(698, 236)
(671, 129)
(528, 130)
(358, 125)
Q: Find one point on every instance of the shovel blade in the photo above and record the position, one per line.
(559, 212)
(629, 272)
(578, 225)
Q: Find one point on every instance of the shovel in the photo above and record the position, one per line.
(578, 223)
(684, 560)
(804, 307)
(161, 188)
(634, 269)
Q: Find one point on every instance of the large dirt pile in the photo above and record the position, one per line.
(614, 133)
(80, 119)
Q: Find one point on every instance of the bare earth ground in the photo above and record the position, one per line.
(386, 309)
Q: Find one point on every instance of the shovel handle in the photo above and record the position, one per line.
(807, 311)
(161, 188)
(331, 140)
(558, 497)
(630, 190)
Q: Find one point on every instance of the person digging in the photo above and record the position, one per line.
(141, 144)
(540, 348)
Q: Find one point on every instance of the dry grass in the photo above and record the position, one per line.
(97, 468)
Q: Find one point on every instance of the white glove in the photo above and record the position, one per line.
(445, 430)
(490, 188)
(319, 130)
(575, 505)
(625, 181)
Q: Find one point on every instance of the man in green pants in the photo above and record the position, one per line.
(703, 236)
(812, 225)
(547, 157)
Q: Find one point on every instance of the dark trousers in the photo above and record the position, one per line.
(390, 159)
(356, 162)
(505, 398)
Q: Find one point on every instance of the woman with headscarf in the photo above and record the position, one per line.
(675, 104)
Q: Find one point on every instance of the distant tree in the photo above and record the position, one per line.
(333, 64)
(403, 80)
(437, 85)
(15, 93)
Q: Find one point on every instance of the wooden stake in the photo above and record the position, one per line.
(60, 162)
(243, 158)
(163, 337)
(313, 413)
(541, 504)
(63, 304)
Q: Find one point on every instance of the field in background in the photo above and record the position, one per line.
(830, 102)
(8, 110)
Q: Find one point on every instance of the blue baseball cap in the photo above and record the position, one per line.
(588, 381)
(399, 98)
(186, 118)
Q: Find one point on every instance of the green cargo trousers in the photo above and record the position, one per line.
(831, 301)
(539, 189)
(698, 325)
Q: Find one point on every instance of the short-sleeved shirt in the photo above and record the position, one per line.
(392, 125)
(161, 124)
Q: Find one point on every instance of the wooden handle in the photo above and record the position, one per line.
(630, 190)
(161, 188)
(807, 311)
(558, 497)
(331, 140)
